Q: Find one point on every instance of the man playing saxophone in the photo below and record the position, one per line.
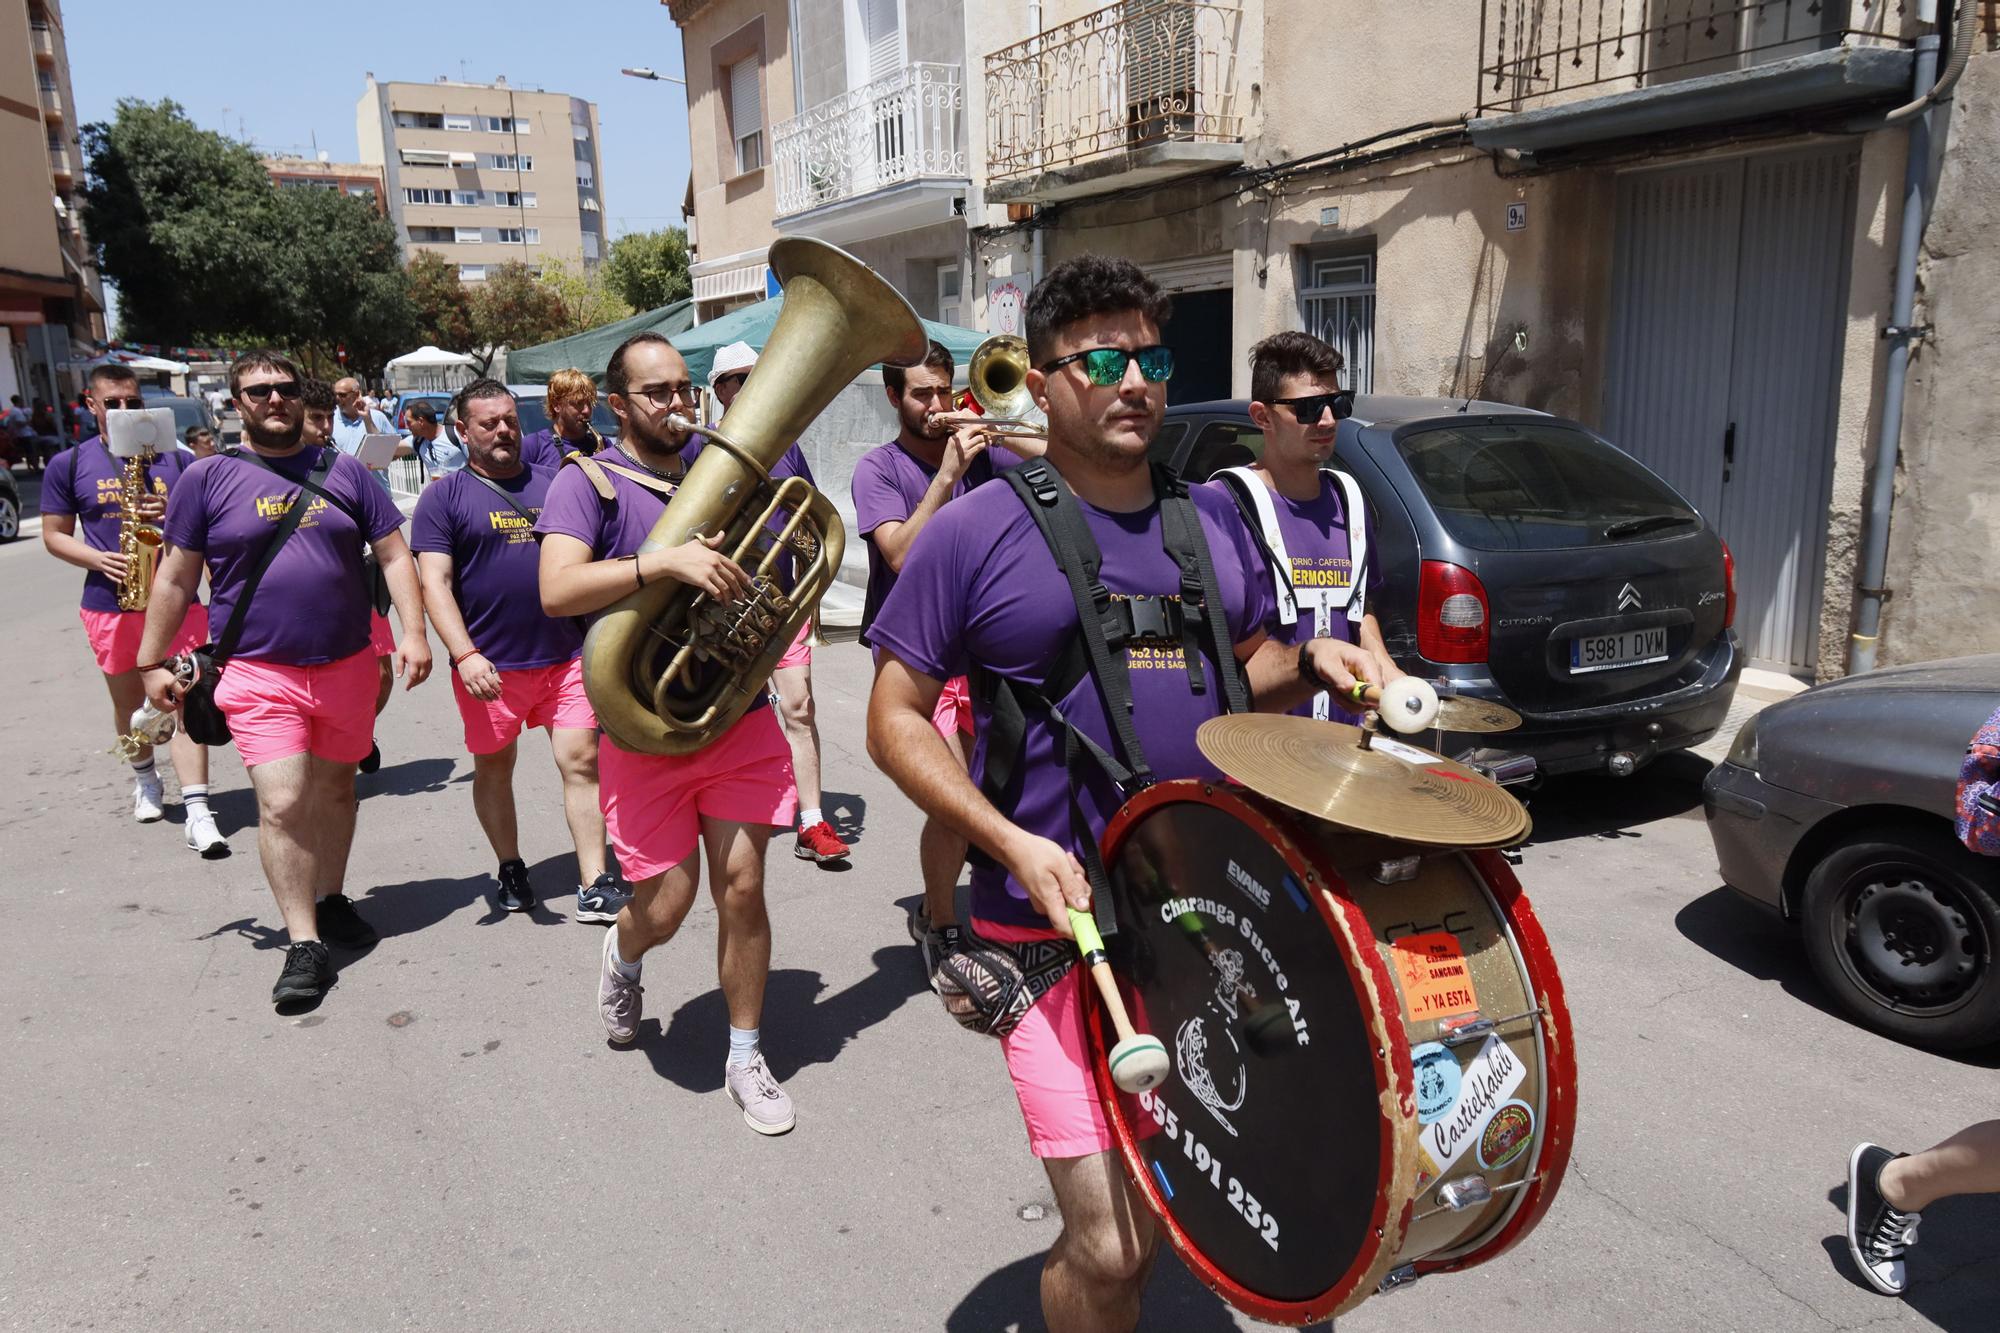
(663, 811)
(86, 522)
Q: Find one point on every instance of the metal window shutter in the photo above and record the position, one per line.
(744, 117)
(885, 46)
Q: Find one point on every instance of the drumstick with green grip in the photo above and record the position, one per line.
(1139, 1060)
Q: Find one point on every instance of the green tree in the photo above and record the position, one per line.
(338, 281)
(443, 307)
(649, 268)
(511, 309)
(588, 299)
(179, 219)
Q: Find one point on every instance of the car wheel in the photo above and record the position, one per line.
(10, 518)
(1902, 927)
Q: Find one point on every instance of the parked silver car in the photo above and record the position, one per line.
(1835, 808)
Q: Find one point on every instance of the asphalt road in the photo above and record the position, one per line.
(447, 1142)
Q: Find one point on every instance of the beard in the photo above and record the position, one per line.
(1089, 439)
(283, 437)
(919, 424)
(654, 440)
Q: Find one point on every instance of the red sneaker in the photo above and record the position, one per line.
(819, 843)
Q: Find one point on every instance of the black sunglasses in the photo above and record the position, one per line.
(136, 404)
(1308, 410)
(289, 390)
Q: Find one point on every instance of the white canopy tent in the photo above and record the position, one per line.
(430, 368)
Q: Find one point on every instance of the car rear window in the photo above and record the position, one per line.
(1223, 444)
(1525, 486)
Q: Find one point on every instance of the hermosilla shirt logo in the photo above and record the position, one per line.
(517, 528)
(1322, 571)
(273, 508)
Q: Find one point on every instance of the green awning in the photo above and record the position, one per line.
(752, 324)
(591, 350)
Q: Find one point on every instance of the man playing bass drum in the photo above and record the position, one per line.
(983, 592)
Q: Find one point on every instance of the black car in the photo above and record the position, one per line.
(10, 506)
(1836, 809)
(1528, 561)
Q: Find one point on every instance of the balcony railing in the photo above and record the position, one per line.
(43, 40)
(51, 100)
(1537, 52)
(59, 161)
(1129, 75)
(901, 128)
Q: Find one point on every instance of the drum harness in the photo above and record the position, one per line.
(1260, 514)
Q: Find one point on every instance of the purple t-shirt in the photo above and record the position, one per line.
(312, 606)
(613, 528)
(496, 566)
(888, 484)
(1315, 533)
(545, 450)
(86, 482)
(981, 586)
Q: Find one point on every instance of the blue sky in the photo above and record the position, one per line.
(252, 89)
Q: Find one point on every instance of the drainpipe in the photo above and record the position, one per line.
(1036, 260)
(1869, 592)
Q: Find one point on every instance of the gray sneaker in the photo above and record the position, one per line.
(601, 899)
(617, 999)
(767, 1108)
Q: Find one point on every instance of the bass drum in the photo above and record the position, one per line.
(1371, 1081)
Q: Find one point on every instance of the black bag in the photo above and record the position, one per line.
(204, 723)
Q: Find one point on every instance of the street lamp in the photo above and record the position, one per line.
(647, 72)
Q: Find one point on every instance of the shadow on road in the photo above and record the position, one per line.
(1954, 1270)
(1596, 806)
(1011, 1298)
(1759, 944)
(847, 812)
(406, 779)
(800, 1027)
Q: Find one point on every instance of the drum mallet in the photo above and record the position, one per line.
(1407, 704)
(1139, 1060)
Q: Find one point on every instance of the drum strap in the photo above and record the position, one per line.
(1105, 629)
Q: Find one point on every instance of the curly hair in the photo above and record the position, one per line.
(1291, 353)
(1089, 285)
(313, 393)
(936, 357)
(572, 386)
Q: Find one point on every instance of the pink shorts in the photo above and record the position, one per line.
(654, 804)
(800, 653)
(550, 696)
(952, 713)
(276, 711)
(381, 639)
(114, 636)
(1048, 1057)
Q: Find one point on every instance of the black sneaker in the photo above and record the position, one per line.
(602, 899)
(340, 924)
(308, 973)
(374, 759)
(1878, 1234)
(939, 943)
(515, 894)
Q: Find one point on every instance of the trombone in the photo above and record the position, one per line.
(998, 401)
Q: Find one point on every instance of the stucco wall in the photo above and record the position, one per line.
(1945, 529)
(733, 212)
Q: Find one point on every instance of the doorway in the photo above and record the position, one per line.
(1728, 298)
(1199, 333)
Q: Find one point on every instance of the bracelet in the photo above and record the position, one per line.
(1307, 671)
(638, 576)
(152, 666)
(470, 652)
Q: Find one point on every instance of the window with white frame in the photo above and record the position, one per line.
(472, 272)
(746, 115)
(465, 198)
(948, 305)
(420, 195)
(468, 235)
(590, 245)
(452, 122)
(520, 235)
(419, 120)
(527, 198)
(430, 235)
(502, 125)
(508, 161)
(586, 175)
(1337, 305)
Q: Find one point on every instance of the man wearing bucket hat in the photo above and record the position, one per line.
(817, 840)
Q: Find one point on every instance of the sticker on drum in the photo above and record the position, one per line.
(1437, 1080)
(1489, 1080)
(1431, 970)
(1506, 1136)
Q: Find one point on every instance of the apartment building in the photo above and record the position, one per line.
(486, 173)
(49, 292)
(356, 179)
(1676, 222)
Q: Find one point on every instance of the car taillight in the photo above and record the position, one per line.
(1451, 614)
(1728, 587)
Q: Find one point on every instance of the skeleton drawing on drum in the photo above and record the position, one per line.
(1191, 1043)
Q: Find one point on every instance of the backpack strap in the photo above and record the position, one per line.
(595, 469)
(504, 494)
(1202, 607)
(1260, 516)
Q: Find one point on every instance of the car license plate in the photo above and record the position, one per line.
(1606, 652)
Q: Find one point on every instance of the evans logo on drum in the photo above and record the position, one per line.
(1243, 880)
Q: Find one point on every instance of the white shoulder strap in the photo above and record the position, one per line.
(1274, 540)
(1356, 511)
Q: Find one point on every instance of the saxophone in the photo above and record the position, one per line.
(138, 541)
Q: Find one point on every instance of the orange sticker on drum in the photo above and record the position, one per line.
(1432, 972)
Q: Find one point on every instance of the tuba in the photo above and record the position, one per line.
(668, 669)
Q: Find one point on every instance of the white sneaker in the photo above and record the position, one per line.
(148, 800)
(204, 837)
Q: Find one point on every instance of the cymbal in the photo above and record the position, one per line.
(1471, 716)
(1391, 787)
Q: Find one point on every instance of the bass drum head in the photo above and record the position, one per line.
(1266, 1150)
